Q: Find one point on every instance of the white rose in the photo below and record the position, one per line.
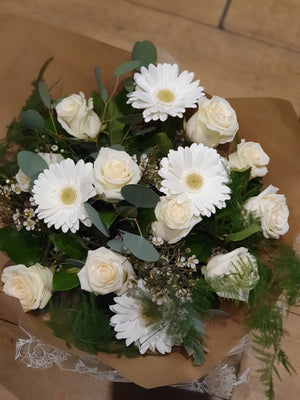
(114, 169)
(272, 210)
(105, 272)
(232, 275)
(174, 220)
(249, 155)
(23, 180)
(77, 117)
(31, 285)
(214, 123)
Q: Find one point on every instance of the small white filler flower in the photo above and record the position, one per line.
(196, 173)
(131, 325)
(60, 192)
(160, 91)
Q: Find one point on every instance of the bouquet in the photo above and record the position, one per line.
(134, 218)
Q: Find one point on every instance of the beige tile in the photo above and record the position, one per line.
(274, 21)
(206, 12)
(227, 64)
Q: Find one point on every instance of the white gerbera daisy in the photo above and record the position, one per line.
(161, 92)
(197, 173)
(60, 192)
(131, 325)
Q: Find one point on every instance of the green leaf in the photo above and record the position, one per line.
(65, 279)
(163, 143)
(115, 126)
(33, 120)
(117, 147)
(145, 52)
(70, 244)
(31, 164)
(201, 245)
(98, 102)
(75, 263)
(44, 94)
(131, 119)
(140, 247)
(236, 237)
(128, 84)
(101, 87)
(95, 219)
(116, 245)
(126, 67)
(23, 247)
(140, 196)
(127, 211)
(146, 217)
(108, 217)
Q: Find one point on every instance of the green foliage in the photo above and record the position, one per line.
(201, 244)
(80, 319)
(95, 219)
(65, 279)
(31, 164)
(204, 297)
(126, 67)
(70, 244)
(44, 94)
(140, 247)
(140, 196)
(101, 87)
(115, 126)
(279, 279)
(33, 120)
(23, 247)
(145, 52)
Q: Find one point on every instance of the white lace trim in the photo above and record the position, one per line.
(36, 354)
(220, 381)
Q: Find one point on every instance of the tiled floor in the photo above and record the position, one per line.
(237, 48)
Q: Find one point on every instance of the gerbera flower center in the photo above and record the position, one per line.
(68, 195)
(166, 95)
(194, 181)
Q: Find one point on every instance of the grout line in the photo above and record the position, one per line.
(224, 15)
(220, 25)
(172, 14)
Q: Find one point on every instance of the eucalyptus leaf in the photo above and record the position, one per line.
(145, 52)
(31, 164)
(131, 119)
(23, 247)
(117, 147)
(126, 67)
(44, 94)
(129, 84)
(33, 120)
(116, 245)
(140, 196)
(241, 235)
(140, 247)
(95, 219)
(70, 244)
(65, 279)
(101, 87)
